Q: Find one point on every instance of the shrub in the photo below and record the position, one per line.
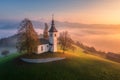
(5, 52)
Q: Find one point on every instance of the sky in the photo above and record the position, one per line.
(79, 11)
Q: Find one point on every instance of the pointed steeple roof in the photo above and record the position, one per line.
(53, 29)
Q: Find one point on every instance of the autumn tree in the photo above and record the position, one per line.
(28, 38)
(65, 41)
(45, 33)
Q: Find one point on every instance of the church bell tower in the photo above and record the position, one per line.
(53, 36)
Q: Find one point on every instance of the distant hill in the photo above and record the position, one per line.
(71, 27)
(15, 24)
(8, 24)
(9, 41)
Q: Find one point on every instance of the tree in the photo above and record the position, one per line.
(28, 39)
(65, 41)
(45, 33)
(5, 52)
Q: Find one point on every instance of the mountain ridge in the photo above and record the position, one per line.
(40, 24)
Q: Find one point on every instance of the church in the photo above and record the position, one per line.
(49, 44)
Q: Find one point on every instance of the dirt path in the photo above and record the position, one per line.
(42, 60)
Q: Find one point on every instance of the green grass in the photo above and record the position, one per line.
(9, 57)
(76, 66)
(43, 55)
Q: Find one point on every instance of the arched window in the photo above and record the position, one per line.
(41, 48)
(50, 35)
(55, 35)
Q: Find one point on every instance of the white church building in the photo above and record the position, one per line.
(49, 44)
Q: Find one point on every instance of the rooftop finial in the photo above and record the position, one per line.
(52, 19)
(52, 29)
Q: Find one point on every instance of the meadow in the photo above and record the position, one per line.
(76, 66)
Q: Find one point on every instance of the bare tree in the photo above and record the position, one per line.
(5, 52)
(28, 38)
(65, 41)
(45, 33)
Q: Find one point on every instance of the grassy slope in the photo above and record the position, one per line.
(9, 57)
(76, 66)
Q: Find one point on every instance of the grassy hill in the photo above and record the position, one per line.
(76, 66)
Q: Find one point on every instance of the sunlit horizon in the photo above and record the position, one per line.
(76, 11)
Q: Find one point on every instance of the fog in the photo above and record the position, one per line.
(104, 39)
(7, 33)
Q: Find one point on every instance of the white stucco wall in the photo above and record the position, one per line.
(45, 48)
(53, 40)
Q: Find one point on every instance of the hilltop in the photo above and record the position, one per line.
(76, 66)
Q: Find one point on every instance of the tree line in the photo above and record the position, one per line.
(91, 50)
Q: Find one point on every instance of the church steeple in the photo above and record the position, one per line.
(53, 29)
(53, 36)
